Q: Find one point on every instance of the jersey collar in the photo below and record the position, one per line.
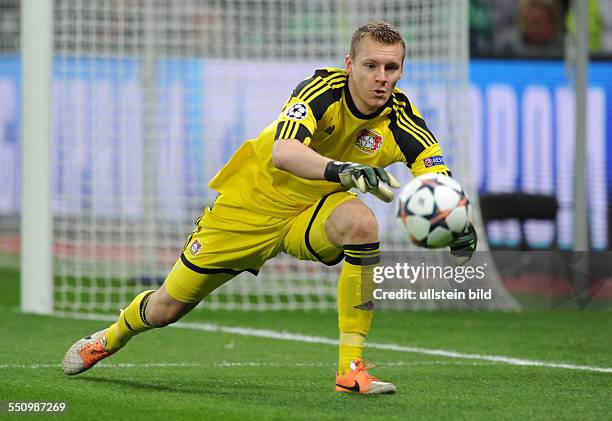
(353, 108)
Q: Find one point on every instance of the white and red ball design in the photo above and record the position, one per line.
(433, 210)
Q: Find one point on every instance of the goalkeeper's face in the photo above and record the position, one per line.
(373, 73)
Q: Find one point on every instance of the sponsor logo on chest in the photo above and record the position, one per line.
(368, 141)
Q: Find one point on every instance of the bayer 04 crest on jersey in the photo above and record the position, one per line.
(433, 210)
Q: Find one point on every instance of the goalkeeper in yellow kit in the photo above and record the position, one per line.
(287, 191)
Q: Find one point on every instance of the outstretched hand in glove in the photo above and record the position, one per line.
(367, 179)
(464, 245)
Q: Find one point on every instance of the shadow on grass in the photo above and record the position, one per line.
(209, 388)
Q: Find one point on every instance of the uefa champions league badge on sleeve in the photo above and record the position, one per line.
(298, 111)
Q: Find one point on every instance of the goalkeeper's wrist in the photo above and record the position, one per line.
(333, 170)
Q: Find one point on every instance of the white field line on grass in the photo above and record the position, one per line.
(287, 336)
(120, 365)
(230, 364)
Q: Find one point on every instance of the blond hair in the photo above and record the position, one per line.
(380, 31)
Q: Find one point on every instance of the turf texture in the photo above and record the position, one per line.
(189, 374)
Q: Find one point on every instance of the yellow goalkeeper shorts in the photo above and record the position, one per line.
(230, 239)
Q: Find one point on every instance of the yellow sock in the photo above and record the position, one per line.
(355, 306)
(351, 348)
(131, 322)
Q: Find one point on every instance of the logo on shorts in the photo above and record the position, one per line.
(297, 111)
(368, 141)
(195, 247)
(432, 161)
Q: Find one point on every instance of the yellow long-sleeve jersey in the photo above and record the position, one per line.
(321, 114)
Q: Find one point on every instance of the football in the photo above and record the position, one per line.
(433, 210)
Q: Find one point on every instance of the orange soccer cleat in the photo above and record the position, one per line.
(85, 353)
(358, 380)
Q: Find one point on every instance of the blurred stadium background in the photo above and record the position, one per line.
(148, 98)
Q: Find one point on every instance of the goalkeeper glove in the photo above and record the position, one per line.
(367, 179)
(464, 245)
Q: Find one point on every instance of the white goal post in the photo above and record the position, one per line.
(36, 214)
(148, 98)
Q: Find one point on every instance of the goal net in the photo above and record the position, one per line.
(151, 97)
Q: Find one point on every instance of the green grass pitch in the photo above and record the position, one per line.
(189, 374)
